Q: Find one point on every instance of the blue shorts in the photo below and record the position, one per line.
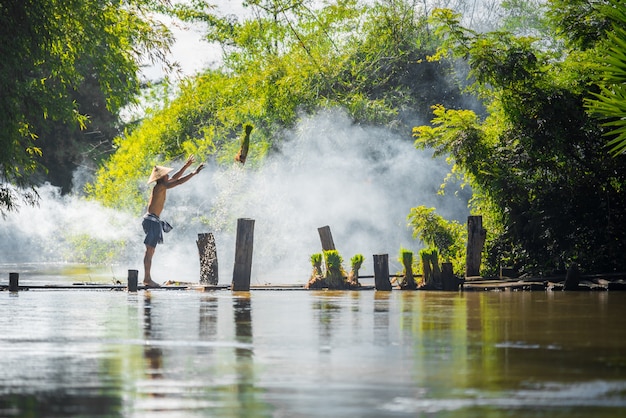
(154, 232)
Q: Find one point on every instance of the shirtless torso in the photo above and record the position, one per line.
(156, 204)
(157, 199)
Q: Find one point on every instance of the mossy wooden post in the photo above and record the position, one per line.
(208, 259)
(14, 282)
(132, 280)
(476, 236)
(381, 272)
(243, 255)
(327, 238)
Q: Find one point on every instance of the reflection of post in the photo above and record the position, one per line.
(207, 327)
(243, 325)
(476, 236)
(208, 258)
(327, 238)
(243, 255)
(381, 318)
(153, 355)
(326, 311)
(381, 272)
(243, 355)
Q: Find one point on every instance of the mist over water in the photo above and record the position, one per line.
(360, 181)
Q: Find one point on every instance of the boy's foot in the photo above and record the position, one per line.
(151, 283)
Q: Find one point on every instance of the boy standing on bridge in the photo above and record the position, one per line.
(152, 225)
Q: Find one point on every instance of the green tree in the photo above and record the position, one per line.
(49, 49)
(447, 237)
(609, 104)
(536, 162)
(287, 60)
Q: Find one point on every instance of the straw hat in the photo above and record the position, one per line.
(158, 172)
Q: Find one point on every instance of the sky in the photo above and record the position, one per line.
(189, 50)
(193, 54)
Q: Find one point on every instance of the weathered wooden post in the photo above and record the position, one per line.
(476, 236)
(381, 272)
(572, 278)
(208, 258)
(132, 280)
(243, 255)
(327, 238)
(448, 279)
(14, 282)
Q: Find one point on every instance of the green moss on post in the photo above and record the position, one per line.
(408, 281)
(316, 281)
(335, 275)
(355, 265)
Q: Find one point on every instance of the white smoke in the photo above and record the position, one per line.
(360, 181)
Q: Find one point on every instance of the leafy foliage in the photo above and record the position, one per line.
(49, 49)
(287, 61)
(536, 162)
(610, 102)
(356, 261)
(447, 237)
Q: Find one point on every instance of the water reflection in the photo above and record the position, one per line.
(326, 310)
(153, 354)
(51, 363)
(207, 325)
(243, 325)
(381, 317)
(245, 388)
(188, 354)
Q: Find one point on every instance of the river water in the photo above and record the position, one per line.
(295, 353)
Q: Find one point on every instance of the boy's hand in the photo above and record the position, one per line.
(198, 169)
(190, 160)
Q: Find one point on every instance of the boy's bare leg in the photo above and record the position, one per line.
(147, 265)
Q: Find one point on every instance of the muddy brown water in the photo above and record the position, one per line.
(312, 354)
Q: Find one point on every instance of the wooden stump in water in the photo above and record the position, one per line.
(243, 255)
(208, 259)
(572, 279)
(476, 237)
(14, 282)
(327, 238)
(448, 280)
(133, 277)
(381, 272)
